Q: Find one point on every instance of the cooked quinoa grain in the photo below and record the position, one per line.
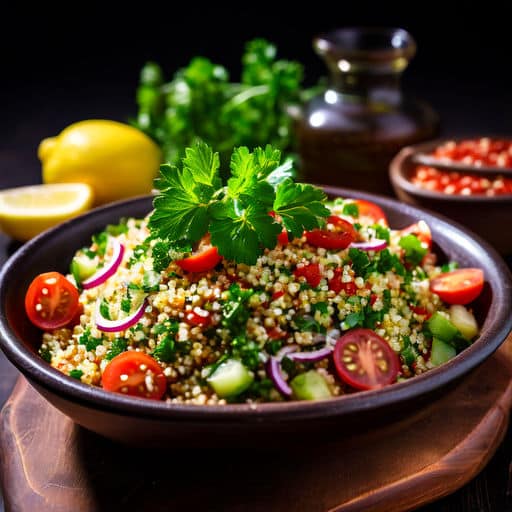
(296, 299)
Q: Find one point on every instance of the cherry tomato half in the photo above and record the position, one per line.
(51, 301)
(421, 230)
(460, 286)
(206, 258)
(127, 373)
(199, 317)
(364, 360)
(311, 272)
(340, 238)
(371, 211)
(336, 284)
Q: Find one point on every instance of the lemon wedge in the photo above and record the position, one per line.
(27, 211)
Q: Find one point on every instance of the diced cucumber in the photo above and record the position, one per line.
(441, 327)
(441, 352)
(464, 320)
(230, 379)
(82, 267)
(310, 386)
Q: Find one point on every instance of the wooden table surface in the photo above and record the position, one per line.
(491, 490)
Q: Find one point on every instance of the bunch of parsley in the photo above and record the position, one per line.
(192, 202)
(201, 103)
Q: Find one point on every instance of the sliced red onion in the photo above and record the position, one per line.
(108, 269)
(118, 325)
(376, 244)
(312, 356)
(287, 349)
(276, 376)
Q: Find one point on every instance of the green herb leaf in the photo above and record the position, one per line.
(165, 350)
(105, 309)
(76, 374)
(241, 233)
(360, 261)
(351, 209)
(119, 345)
(300, 206)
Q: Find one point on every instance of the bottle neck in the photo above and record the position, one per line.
(367, 87)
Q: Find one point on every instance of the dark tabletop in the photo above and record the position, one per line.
(465, 108)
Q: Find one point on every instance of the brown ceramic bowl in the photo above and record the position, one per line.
(149, 422)
(484, 215)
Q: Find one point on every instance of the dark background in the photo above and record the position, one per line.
(81, 61)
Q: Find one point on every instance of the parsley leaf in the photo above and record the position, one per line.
(76, 374)
(119, 345)
(351, 209)
(192, 202)
(300, 206)
(240, 233)
(165, 350)
(181, 209)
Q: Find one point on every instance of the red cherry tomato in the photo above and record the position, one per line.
(419, 310)
(421, 230)
(51, 301)
(364, 360)
(128, 373)
(342, 236)
(199, 317)
(276, 333)
(203, 260)
(282, 238)
(371, 211)
(460, 286)
(278, 294)
(311, 272)
(337, 285)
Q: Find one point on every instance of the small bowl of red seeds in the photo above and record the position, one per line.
(467, 179)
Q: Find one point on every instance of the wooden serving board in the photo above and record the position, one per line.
(49, 464)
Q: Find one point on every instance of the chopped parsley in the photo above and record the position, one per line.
(235, 312)
(76, 374)
(101, 241)
(126, 303)
(351, 209)
(360, 261)
(161, 255)
(105, 309)
(117, 229)
(119, 345)
(449, 267)
(246, 350)
(89, 341)
(45, 354)
(165, 350)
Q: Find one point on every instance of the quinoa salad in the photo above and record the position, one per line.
(252, 289)
(266, 325)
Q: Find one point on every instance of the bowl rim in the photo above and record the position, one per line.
(399, 172)
(40, 373)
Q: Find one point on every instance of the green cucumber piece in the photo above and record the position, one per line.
(230, 378)
(441, 327)
(441, 352)
(310, 386)
(82, 267)
(464, 320)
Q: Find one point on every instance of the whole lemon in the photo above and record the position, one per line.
(115, 159)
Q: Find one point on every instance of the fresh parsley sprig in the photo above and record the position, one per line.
(192, 202)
